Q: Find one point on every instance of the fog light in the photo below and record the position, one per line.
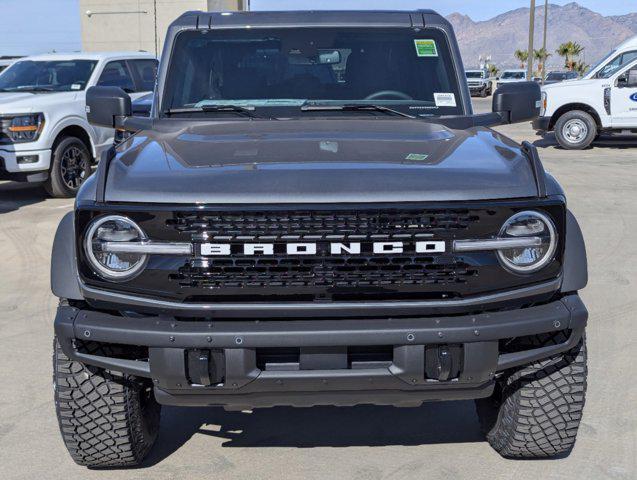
(25, 159)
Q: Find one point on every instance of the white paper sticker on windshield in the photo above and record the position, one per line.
(426, 48)
(445, 99)
(76, 86)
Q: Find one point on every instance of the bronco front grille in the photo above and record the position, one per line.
(322, 275)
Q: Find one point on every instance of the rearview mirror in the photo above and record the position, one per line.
(329, 57)
(517, 102)
(107, 106)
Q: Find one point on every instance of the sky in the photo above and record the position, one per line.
(36, 26)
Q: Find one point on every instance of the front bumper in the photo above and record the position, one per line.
(11, 168)
(541, 124)
(402, 380)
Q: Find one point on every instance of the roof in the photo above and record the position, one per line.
(88, 56)
(378, 18)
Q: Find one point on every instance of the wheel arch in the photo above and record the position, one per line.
(575, 262)
(76, 126)
(575, 106)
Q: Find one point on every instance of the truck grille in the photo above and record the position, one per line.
(323, 275)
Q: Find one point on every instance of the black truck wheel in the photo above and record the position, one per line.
(70, 166)
(536, 411)
(575, 130)
(106, 420)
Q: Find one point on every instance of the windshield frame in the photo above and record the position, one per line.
(42, 88)
(456, 71)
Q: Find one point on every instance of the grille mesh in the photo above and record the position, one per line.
(324, 271)
(323, 224)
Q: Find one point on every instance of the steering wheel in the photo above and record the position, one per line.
(388, 93)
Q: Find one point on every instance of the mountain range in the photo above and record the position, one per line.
(500, 36)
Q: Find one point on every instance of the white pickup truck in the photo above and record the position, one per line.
(605, 100)
(44, 134)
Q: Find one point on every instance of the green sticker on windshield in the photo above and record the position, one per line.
(426, 48)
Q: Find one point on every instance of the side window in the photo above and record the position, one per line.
(116, 74)
(616, 63)
(144, 72)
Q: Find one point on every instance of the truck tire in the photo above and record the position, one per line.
(575, 130)
(70, 166)
(106, 420)
(535, 411)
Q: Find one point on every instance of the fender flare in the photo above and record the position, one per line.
(64, 276)
(575, 263)
(75, 121)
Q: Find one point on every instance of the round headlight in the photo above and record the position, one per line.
(528, 259)
(100, 245)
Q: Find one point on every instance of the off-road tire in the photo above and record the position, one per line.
(562, 136)
(55, 185)
(106, 420)
(536, 410)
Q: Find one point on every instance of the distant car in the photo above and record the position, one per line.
(556, 77)
(6, 61)
(479, 82)
(512, 76)
(44, 134)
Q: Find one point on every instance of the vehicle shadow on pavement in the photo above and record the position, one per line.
(444, 422)
(15, 195)
(605, 141)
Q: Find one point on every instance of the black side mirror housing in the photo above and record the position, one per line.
(107, 106)
(517, 102)
(622, 81)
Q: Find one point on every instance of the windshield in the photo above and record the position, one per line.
(514, 75)
(285, 69)
(54, 76)
(475, 74)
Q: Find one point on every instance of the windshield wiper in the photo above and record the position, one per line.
(213, 109)
(354, 107)
(33, 88)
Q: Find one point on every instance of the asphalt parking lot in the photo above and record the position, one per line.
(440, 440)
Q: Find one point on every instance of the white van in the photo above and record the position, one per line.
(605, 100)
(44, 134)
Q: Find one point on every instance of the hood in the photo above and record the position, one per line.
(25, 102)
(571, 84)
(317, 161)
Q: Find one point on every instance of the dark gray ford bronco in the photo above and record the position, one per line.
(313, 215)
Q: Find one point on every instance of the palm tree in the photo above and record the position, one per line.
(581, 67)
(569, 51)
(542, 56)
(522, 56)
(493, 70)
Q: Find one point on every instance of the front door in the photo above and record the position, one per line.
(624, 99)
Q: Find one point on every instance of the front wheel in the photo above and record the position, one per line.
(536, 410)
(575, 130)
(70, 166)
(106, 420)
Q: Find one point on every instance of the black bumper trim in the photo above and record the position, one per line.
(315, 309)
(541, 124)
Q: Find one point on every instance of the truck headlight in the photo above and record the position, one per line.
(532, 258)
(22, 128)
(543, 104)
(101, 242)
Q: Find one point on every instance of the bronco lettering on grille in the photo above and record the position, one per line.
(334, 248)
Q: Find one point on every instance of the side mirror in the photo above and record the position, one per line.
(107, 106)
(622, 80)
(517, 102)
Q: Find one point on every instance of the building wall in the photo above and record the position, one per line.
(137, 24)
